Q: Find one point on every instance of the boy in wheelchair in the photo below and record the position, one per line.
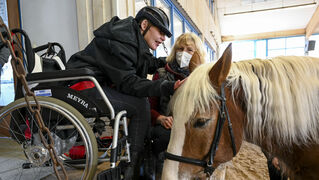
(120, 57)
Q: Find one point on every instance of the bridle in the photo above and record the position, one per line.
(208, 165)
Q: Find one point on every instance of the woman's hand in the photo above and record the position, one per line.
(165, 121)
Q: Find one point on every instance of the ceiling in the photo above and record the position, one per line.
(244, 17)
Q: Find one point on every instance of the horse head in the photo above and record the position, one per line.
(197, 109)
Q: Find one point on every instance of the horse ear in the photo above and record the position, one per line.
(221, 68)
(194, 62)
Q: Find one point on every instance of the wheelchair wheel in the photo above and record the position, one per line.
(22, 154)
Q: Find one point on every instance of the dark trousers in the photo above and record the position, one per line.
(160, 137)
(138, 111)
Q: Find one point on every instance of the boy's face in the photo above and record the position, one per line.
(153, 37)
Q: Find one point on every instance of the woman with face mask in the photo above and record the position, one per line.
(177, 68)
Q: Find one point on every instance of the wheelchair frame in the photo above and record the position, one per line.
(66, 75)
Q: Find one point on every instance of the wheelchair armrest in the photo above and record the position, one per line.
(59, 74)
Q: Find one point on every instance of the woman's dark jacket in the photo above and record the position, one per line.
(120, 57)
(171, 72)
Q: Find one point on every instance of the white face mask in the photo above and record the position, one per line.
(183, 58)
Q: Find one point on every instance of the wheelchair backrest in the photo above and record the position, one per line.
(50, 59)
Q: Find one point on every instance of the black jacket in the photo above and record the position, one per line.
(120, 56)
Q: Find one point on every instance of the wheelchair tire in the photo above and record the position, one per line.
(22, 154)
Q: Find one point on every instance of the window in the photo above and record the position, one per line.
(160, 52)
(276, 47)
(4, 12)
(295, 46)
(166, 7)
(276, 43)
(6, 85)
(210, 4)
(243, 50)
(267, 48)
(261, 46)
(178, 25)
(209, 53)
(188, 28)
(139, 4)
(276, 52)
(286, 46)
(295, 42)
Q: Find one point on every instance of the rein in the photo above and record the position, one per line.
(208, 165)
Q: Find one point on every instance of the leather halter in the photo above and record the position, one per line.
(208, 165)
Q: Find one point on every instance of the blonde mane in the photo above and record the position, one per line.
(281, 97)
(195, 95)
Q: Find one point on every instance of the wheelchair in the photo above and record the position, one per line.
(86, 133)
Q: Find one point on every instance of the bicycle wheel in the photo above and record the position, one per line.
(22, 154)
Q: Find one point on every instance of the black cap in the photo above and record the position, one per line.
(156, 16)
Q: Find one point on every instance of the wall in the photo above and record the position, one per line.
(93, 13)
(51, 21)
(201, 15)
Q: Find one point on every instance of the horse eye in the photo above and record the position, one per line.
(200, 122)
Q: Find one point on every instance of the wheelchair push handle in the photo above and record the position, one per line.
(51, 51)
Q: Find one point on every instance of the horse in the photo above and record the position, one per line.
(273, 103)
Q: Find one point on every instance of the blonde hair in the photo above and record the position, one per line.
(186, 39)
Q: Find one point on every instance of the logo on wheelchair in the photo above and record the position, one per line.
(77, 99)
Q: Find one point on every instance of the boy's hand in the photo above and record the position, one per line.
(178, 83)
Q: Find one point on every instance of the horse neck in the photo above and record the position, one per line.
(237, 113)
